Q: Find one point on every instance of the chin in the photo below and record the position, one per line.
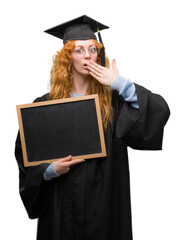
(85, 72)
(81, 71)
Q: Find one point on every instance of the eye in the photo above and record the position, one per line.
(79, 51)
(93, 49)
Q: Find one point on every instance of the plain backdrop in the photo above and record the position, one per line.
(148, 41)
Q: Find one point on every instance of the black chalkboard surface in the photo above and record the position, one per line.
(55, 129)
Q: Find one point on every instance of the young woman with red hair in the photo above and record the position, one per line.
(90, 199)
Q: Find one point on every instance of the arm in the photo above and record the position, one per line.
(143, 128)
(126, 89)
(32, 188)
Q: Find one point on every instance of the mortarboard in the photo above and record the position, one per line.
(81, 28)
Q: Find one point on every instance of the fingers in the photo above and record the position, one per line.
(95, 76)
(63, 165)
(69, 162)
(66, 159)
(114, 67)
(72, 162)
(95, 68)
(75, 161)
(114, 64)
(96, 71)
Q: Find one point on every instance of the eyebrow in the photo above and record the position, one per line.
(88, 46)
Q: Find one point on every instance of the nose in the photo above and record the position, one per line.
(86, 54)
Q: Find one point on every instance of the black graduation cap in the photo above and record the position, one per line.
(81, 28)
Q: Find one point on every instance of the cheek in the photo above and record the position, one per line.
(75, 67)
(94, 58)
(75, 62)
(73, 59)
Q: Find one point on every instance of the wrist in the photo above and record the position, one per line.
(55, 168)
(118, 83)
(50, 172)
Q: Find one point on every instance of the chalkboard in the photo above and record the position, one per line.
(55, 129)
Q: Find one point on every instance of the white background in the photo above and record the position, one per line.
(147, 39)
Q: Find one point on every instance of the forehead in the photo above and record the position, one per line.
(84, 43)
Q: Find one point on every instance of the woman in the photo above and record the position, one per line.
(90, 199)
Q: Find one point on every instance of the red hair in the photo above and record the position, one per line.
(61, 80)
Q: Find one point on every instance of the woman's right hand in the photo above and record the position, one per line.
(62, 166)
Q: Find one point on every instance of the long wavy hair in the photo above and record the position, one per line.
(61, 80)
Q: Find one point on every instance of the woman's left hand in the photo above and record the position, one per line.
(104, 75)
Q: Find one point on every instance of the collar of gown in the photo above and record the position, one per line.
(76, 95)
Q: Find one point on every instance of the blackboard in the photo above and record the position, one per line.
(51, 130)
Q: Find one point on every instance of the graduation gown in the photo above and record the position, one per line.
(92, 201)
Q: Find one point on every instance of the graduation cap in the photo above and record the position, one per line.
(81, 28)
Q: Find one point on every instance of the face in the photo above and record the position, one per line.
(84, 51)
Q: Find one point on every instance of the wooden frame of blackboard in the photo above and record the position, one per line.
(36, 105)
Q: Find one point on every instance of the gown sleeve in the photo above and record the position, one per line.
(143, 128)
(34, 191)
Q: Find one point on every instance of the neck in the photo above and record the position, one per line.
(80, 84)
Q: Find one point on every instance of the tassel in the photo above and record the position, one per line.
(102, 50)
(103, 56)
